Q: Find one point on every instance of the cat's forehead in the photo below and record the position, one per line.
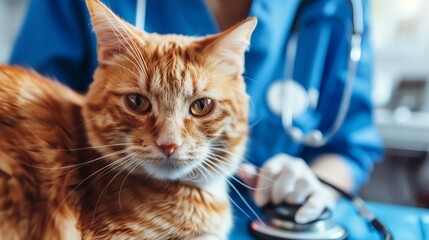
(172, 63)
(167, 44)
(175, 78)
(168, 66)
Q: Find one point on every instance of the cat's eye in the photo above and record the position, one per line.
(138, 103)
(202, 107)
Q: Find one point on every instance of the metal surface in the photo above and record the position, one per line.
(283, 230)
(281, 224)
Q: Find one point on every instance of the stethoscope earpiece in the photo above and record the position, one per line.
(296, 134)
(314, 138)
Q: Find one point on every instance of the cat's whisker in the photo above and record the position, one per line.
(139, 58)
(138, 65)
(147, 176)
(219, 147)
(76, 187)
(214, 157)
(195, 177)
(136, 54)
(73, 149)
(223, 150)
(221, 75)
(237, 205)
(219, 150)
(216, 169)
(118, 162)
(252, 103)
(136, 161)
(101, 146)
(207, 163)
(82, 123)
(250, 79)
(252, 125)
(210, 67)
(115, 29)
(242, 132)
(225, 160)
(78, 164)
(125, 164)
(203, 172)
(124, 67)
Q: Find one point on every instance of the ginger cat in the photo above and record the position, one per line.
(143, 155)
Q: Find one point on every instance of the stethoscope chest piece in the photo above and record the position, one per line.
(281, 226)
(289, 93)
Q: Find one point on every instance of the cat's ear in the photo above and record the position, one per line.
(114, 35)
(231, 44)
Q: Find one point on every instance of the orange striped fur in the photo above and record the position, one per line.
(90, 167)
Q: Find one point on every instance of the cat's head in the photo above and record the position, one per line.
(172, 106)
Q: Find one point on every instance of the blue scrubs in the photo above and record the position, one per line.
(56, 39)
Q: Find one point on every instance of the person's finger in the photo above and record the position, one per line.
(266, 178)
(302, 191)
(311, 209)
(248, 174)
(288, 185)
(284, 184)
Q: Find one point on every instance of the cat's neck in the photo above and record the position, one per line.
(216, 187)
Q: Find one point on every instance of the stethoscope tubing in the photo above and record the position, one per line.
(315, 137)
(141, 14)
(359, 204)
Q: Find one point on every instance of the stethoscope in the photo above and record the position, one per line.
(297, 101)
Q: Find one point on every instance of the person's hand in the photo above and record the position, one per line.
(289, 179)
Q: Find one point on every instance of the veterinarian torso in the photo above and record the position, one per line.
(70, 49)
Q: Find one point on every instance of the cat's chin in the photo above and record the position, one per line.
(168, 171)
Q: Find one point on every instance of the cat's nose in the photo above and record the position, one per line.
(168, 148)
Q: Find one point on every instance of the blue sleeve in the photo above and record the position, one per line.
(56, 40)
(358, 141)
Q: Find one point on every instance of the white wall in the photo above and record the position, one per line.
(11, 15)
(401, 42)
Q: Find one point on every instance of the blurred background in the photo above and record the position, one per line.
(400, 35)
